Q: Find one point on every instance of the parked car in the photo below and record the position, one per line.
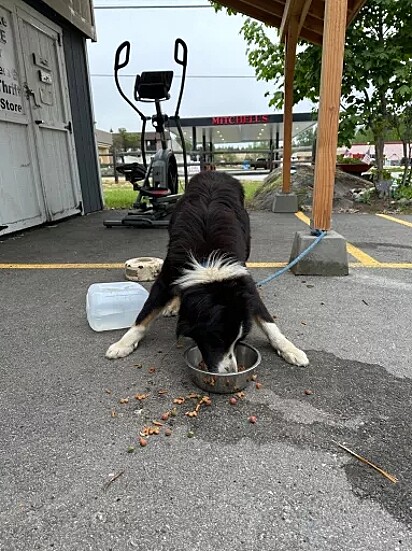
(261, 162)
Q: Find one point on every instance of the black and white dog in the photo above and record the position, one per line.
(205, 274)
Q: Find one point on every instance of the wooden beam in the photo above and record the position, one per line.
(328, 118)
(311, 36)
(290, 61)
(354, 7)
(292, 9)
(304, 13)
(317, 9)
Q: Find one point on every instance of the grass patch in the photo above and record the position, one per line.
(122, 196)
(119, 198)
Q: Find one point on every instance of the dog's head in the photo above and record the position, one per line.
(215, 310)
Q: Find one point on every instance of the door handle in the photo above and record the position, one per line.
(39, 121)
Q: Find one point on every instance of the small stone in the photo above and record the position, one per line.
(190, 434)
(168, 432)
(252, 419)
(232, 401)
(308, 392)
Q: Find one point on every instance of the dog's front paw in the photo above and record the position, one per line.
(170, 311)
(118, 350)
(294, 356)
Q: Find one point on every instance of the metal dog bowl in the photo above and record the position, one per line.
(223, 383)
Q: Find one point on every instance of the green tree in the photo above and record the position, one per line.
(126, 141)
(377, 78)
(402, 127)
(305, 138)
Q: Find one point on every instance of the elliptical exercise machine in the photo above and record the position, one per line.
(158, 192)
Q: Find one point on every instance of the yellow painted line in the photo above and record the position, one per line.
(117, 266)
(397, 220)
(396, 265)
(266, 264)
(363, 258)
(61, 266)
(305, 219)
(108, 266)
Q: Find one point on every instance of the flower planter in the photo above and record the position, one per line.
(352, 168)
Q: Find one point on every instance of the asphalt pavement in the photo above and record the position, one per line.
(72, 473)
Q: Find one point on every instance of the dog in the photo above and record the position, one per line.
(204, 277)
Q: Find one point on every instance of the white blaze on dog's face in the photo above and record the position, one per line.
(214, 311)
(229, 362)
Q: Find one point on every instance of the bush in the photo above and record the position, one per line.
(403, 192)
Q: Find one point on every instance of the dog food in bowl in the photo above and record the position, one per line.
(247, 358)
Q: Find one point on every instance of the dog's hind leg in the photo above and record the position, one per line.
(279, 342)
(159, 296)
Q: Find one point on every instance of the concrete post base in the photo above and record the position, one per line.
(328, 258)
(285, 202)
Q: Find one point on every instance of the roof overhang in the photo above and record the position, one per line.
(278, 14)
(232, 129)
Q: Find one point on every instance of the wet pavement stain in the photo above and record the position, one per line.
(359, 405)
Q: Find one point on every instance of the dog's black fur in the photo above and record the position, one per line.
(209, 222)
(211, 219)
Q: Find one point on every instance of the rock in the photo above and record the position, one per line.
(302, 184)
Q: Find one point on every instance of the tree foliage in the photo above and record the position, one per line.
(377, 76)
(126, 141)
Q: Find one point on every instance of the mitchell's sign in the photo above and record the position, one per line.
(240, 119)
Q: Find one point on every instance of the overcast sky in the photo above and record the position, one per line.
(215, 48)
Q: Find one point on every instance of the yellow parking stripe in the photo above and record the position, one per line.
(60, 266)
(362, 257)
(397, 220)
(253, 265)
(266, 264)
(108, 266)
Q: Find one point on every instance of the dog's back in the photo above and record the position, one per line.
(210, 217)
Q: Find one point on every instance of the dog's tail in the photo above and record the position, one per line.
(218, 266)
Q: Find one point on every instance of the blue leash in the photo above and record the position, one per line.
(320, 235)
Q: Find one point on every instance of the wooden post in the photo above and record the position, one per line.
(328, 120)
(291, 40)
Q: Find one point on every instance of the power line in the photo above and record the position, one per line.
(180, 76)
(154, 7)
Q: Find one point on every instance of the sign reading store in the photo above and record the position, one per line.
(10, 89)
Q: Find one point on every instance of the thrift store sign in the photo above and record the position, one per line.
(10, 89)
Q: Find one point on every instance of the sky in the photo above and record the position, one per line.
(215, 48)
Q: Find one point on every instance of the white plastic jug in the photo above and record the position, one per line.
(114, 305)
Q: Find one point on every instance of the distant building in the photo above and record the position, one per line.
(393, 152)
(104, 144)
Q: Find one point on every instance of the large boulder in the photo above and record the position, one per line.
(302, 184)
